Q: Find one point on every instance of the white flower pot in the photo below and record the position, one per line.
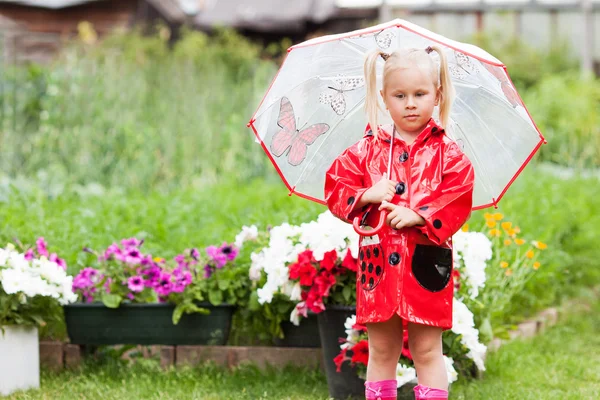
(19, 360)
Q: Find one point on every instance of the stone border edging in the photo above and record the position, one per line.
(56, 355)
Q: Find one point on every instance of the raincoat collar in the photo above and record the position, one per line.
(430, 129)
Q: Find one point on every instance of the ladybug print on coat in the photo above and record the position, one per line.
(435, 180)
(371, 264)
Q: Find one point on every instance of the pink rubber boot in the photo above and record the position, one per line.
(426, 393)
(381, 390)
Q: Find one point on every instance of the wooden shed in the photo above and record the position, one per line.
(34, 30)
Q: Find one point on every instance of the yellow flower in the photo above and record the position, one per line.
(503, 264)
(530, 254)
(465, 228)
(490, 223)
(539, 245)
(519, 242)
(508, 272)
(507, 242)
(498, 216)
(488, 216)
(495, 232)
(536, 265)
(506, 226)
(158, 259)
(511, 232)
(517, 229)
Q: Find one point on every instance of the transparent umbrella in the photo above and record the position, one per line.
(313, 109)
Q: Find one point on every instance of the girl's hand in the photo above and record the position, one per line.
(384, 190)
(401, 217)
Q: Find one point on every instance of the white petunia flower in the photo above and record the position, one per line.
(452, 374)
(405, 375)
(247, 233)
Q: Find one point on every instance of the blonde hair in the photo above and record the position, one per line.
(406, 58)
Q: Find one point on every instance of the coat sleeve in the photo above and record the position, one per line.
(449, 207)
(345, 183)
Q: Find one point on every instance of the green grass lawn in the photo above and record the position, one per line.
(562, 363)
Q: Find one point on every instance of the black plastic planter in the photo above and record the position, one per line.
(345, 384)
(305, 335)
(146, 324)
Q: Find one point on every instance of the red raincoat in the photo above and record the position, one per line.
(407, 271)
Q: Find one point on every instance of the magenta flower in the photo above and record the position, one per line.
(132, 242)
(230, 251)
(59, 261)
(135, 284)
(111, 251)
(180, 260)
(29, 255)
(208, 271)
(164, 286)
(133, 256)
(217, 256)
(182, 279)
(195, 254)
(42, 247)
(130, 296)
(152, 276)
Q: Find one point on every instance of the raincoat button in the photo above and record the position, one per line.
(424, 208)
(400, 188)
(437, 224)
(350, 200)
(403, 157)
(394, 258)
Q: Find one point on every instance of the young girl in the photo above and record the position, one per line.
(405, 273)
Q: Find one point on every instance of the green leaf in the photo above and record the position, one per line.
(223, 284)
(111, 300)
(347, 293)
(215, 297)
(178, 312)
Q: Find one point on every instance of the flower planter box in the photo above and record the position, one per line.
(19, 360)
(146, 324)
(305, 335)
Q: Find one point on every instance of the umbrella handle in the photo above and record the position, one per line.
(369, 232)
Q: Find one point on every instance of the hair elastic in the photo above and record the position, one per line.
(385, 56)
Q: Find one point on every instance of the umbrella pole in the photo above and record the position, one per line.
(389, 168)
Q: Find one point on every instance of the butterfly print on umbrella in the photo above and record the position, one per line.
(384, 39)
(463, 66)
(336, 99)
(297, 141)
(507, 88)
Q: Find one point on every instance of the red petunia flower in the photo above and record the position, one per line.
(324, 281)
(306, 272)
(306, 257)
(350, 262)
(405, 349)
(339, 360)
(359, 327)
(314, 300)
(361, 352)
(329, 260)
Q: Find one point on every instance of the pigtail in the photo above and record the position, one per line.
(446, 88)
(372, 99)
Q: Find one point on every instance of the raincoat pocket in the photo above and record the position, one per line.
(432, 267)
